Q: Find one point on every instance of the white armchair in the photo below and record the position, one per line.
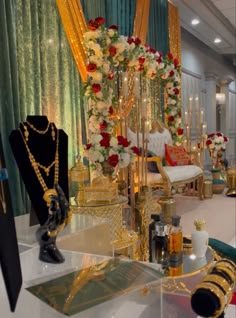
(168, 176)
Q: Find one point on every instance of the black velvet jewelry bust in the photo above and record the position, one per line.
(41, 139)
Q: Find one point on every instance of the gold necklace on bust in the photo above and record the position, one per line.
(41, 132)
(36, 165)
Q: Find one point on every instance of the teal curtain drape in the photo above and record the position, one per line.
(38, 77)
(157, 35)
(118, 12)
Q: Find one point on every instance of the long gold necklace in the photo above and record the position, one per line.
(36, 165)
(42, 132)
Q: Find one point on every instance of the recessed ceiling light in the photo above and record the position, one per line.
(217, 40)
(195, 22)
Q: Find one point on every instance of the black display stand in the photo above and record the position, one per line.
(43, 148)
(9, 253)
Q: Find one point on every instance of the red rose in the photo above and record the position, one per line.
(208, 142)
(103, 125)
(99, 20)
(111, 110)
(180, 131)
(137, 41)
(91, 67)
(92, 25)
(211, 135)
(114, 27)
(112, 50)
(105, 142)
(140, 68)
(226, 139)
(130, 40)
(171, 73)
(160, 54)
(219, 134)
(171, 118)
(88, 146)
(170, 56)
(176, 63)
(122, 141)
(110, 76)
(179, 113)
(141, 60)
(176, 91)
(159, 60)
(96, 88)
(135, 150)
(113, 160)
(152, 50)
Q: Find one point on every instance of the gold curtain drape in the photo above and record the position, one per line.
(174, 31)
(141, 20)
(73, 20)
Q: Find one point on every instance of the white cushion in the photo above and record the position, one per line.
(156, 140)
(176, 174)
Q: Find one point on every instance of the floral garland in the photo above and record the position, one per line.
(107, 51)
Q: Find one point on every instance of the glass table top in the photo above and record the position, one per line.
(120, 200)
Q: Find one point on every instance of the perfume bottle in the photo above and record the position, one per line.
(160, 251)
(199, 239)
(175, 242)
(175, 268)
(152, 231)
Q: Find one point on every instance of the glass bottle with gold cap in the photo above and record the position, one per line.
(199, 239)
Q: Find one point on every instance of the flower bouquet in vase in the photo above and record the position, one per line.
(216, 144)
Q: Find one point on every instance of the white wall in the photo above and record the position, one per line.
(202, 70)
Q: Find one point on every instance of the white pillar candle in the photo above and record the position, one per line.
(144, 107)
(188, 131)
(125, 87)
(137, 85)
(197, 105)
(201, 116)
(186, 118)
(190, 105)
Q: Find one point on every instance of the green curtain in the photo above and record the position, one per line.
(38, 77)
(157, 35)
(119, 12)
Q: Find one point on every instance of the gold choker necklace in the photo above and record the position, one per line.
(41, 132)
(36, 165)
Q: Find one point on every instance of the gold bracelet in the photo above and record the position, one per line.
(227, 271)
(219, 281)
(229, 264)
(217, 292)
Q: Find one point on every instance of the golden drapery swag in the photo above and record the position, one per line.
(74, 23)
(174, 31)
(141, 20)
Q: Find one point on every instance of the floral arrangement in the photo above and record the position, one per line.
(109, 53)
(216, 142)
(117, 151)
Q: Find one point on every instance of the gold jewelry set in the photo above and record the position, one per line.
(36, 165)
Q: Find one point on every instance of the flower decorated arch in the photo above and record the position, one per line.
(109, 53)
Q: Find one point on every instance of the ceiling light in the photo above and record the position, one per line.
(195, 22)
(217, 40)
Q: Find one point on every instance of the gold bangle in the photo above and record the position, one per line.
(219, 281)
(217, 292)
(229, 264)
(227, 271)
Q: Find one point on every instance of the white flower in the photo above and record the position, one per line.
(99, 95)
(111, 32)
(97, 76)
(114, 142)
(124, 160)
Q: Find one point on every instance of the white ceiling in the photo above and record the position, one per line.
(217, 20)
